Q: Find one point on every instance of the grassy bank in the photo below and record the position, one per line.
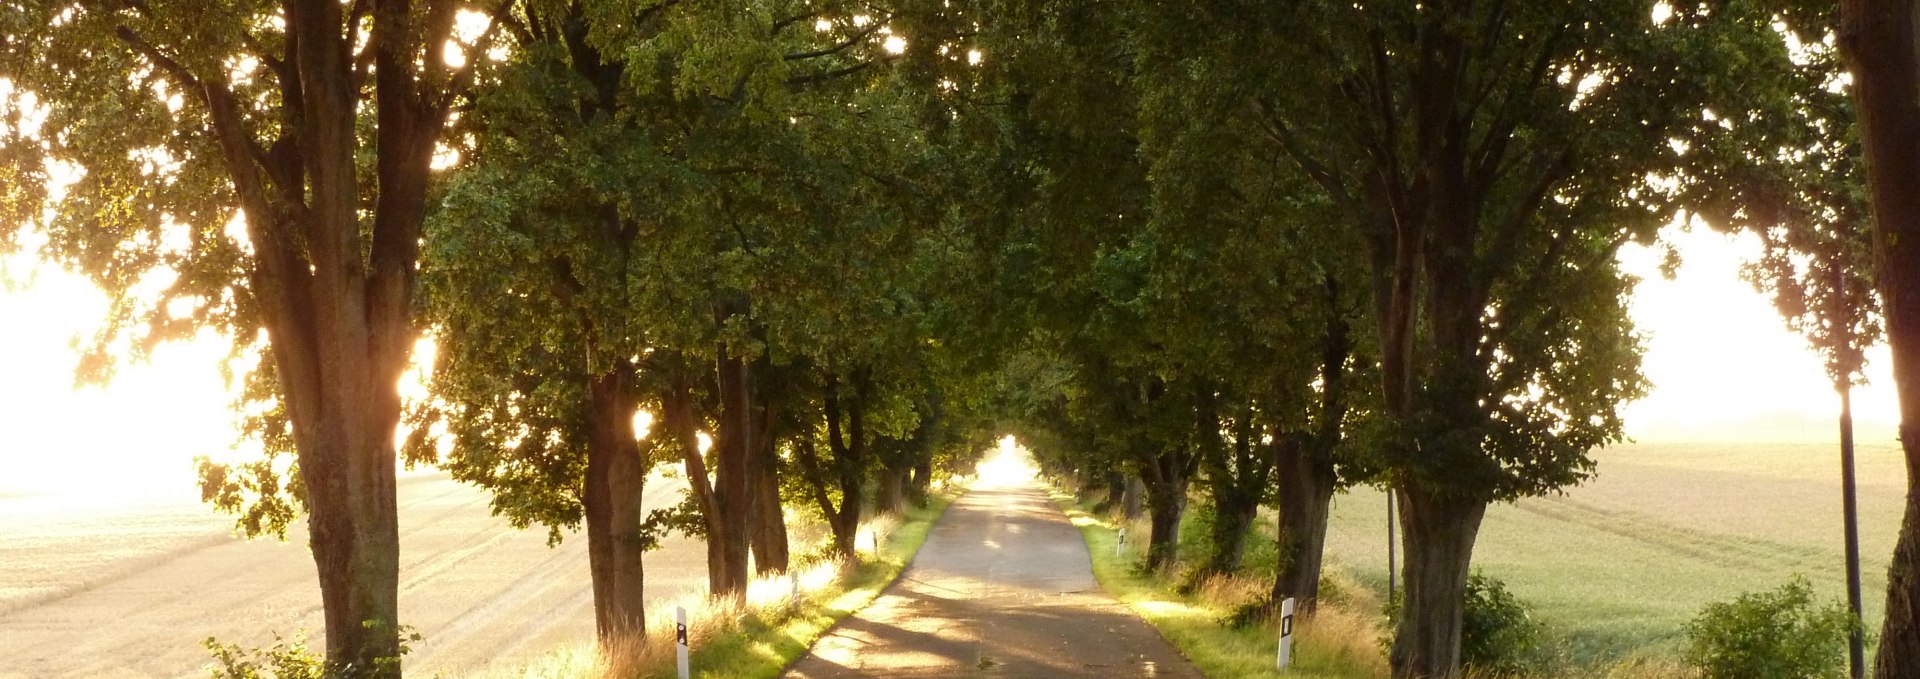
(1341, 642)
(1616, 567)
(771, 629)
(772, 634)
(1345, 639)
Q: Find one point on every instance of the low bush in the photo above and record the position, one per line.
(1497, 633)
(1498, 636)
(285, 659)
(1782, 634)
(291, 659)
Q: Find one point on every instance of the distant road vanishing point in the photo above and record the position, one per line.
(1003, 587)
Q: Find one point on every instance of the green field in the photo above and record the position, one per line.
(1620, 564)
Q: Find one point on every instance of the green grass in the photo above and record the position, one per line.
(765, 634)
(1619, 565)
(1338, 645)
(1614, 568)
(766, 639)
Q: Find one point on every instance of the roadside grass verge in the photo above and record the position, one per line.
(758, 638)
(1345, 639)
(1341, 641)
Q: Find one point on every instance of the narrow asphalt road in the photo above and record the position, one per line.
(1002, 587)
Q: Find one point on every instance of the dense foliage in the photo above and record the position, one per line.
(1780, 634)
(1234, 251)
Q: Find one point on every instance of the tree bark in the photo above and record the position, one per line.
(337, 302)
(1850, 529)
(1438, 532)
(847, 463)
(683, 421)
(1167, 504)
(734, 494)
(1233, 516)
(1878, 39)
(890, 490)
(1305, 491)
(1116, 491)
(1306, 471)
(770, 554)
(616, 479)
(1238, 479)
(1135, 499)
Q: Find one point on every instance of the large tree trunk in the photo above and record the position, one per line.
(682, 420)
(1878, 38)
(848, 460)
(814, 472)
(1116, 490)
(337, 302)
(1306, 471)
(1439, 534)
(1233, 515)
(845, 525)
(1238, 479)
(891, 490)
(354, 530)
(770, 554)
(735, 495)
(1167, 504)
(1134, 500)
(616, 478)
(335, 297)
(1305, 491)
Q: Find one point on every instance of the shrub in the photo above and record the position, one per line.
(1782, 634)
(290, 659)
(1497, 631)
(1498, 636)
(284, 660)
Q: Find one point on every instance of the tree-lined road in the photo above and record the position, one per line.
(1002, 587)
(129, 590)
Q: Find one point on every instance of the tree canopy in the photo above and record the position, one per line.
(1234, 250)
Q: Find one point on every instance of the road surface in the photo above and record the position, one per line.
(127, 589)
(1002, 587)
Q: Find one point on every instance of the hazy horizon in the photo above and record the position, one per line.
(1724, 370)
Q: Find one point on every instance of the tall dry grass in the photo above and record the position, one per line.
(816, 580)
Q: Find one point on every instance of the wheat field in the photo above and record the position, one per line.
(1619, 564)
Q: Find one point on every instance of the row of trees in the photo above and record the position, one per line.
(1260, 250)
(728, 216)
(1377, 243)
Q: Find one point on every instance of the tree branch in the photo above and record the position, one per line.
(823, 76)
(1303, 157)
(839, 47)
(461, 79)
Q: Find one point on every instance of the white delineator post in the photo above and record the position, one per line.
(680, 640)
(1285, 656)
(1122, 542)
(793, 579)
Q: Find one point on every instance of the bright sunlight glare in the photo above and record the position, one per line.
(1723, 367)
(1006, 466)
(135, 437)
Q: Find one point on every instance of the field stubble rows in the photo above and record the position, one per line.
(1621, 563)
(123, 589)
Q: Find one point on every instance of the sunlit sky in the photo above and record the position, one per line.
(1724, 369)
